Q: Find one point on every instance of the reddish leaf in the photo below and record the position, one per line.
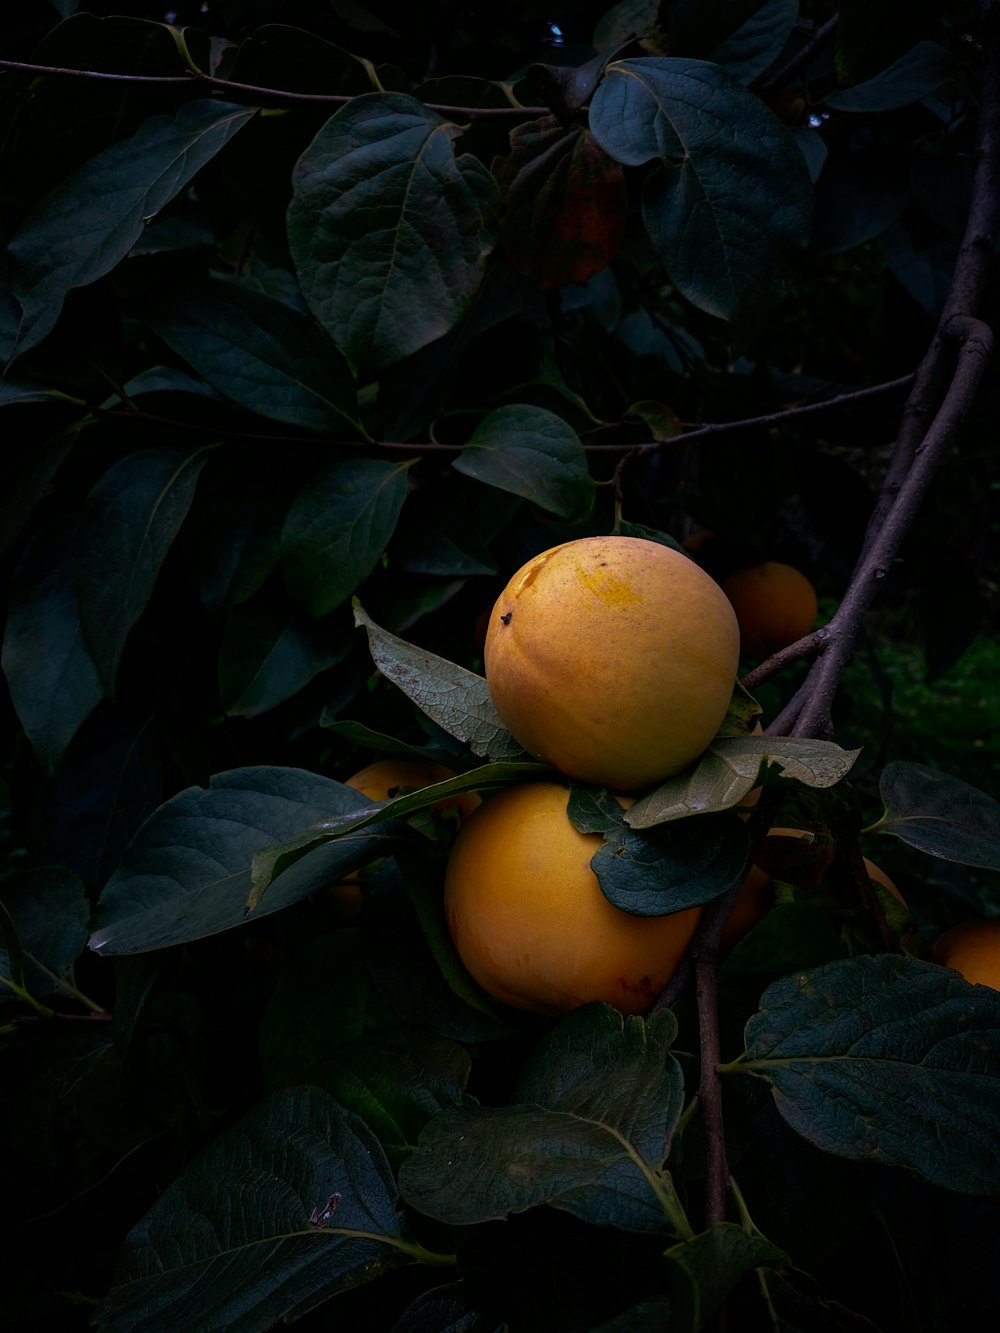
(566, 203)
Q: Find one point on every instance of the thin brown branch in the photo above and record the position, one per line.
(933, 414)
(273, 94)
(854, 398)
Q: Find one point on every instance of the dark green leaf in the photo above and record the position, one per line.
(596, 1107)
(90, 222)
(710, 1266)
(278, 56)
(731, 201)
(186, 874)
(396, 1080)
(270, 651)
(940, 815)
(25, 476)
(337, 529)
(272, 861)
(291, 1204)
(920, 72)
(128, 524)
(53, 682)
(48, 908)
(532, 453)
(886, 1059)
(675, 867)
(261, 353)
(455, 698)
(753, 48)
(389, 230)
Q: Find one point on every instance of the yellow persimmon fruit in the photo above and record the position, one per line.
(972, 948)
(775, 605)
(613, 659)
(382, 781)
(530, 922)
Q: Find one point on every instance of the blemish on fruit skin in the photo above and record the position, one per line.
(506, 619)
(611, 590)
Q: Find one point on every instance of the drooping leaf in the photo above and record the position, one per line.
(886, 1059)
(532, 453)
(337, 529)
(261, 353)
(276, 55)
(288, 1206)
(730, 767)
(939, 814)
(587, 1133)
(915, 75)
(270, 651)
(751, 50)
(129, 520)
(272, 861)
(48, 909)
(457, 699)
(566, 203)
(731, 201)
(53, 682)
(90, 222)
(707, 1267)
(186, 873)
(677, 866)
(389, 230)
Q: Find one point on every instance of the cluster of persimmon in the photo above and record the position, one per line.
(612, 660)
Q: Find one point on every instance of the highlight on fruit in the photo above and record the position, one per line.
(613, 659)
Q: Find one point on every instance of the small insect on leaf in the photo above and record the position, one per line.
(322, 1214)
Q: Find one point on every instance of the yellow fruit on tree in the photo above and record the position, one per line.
(382, 781)
(972, 948)
(613, 659)
(775, 605)
(530, 922)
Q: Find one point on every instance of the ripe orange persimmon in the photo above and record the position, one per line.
(775, 604)
(530, 922)
(613, 659)
(382, 781)
(972, 948)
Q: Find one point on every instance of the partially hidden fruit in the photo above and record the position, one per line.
(613, 659)
(972, 948)
(530, 922)
(754, 898)
(382, 781)
(775, 604)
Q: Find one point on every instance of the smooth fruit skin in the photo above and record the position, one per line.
(613, 659)
(972, 948)
(381, 781)
(775, 605)
(530, 922)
